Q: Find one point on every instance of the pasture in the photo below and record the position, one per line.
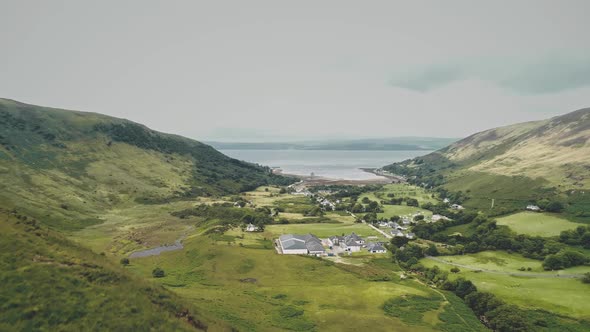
(227, 280)
(537, 224)
(565, 296)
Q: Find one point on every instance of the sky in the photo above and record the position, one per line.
(296, 70)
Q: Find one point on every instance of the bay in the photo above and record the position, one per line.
(334, 164)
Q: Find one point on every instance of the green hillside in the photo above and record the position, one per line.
(533, 162)
(52, 284)
(69, 167)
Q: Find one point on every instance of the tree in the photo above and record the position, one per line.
(586, 278)
(455, 269)
(399, 241)
(358, 208)
(158, 273)
(125, 261)
(365, 200)
(554, 206)
(432, 250)
(419, 217)
(412, 202)
(464, 287)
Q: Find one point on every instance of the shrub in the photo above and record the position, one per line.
(125, 261)
(455, 269)
(158, 273)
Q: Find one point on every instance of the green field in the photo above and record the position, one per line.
(537, 224)
(400, 190)
(228, 281)
(325, 230)
(565, 296)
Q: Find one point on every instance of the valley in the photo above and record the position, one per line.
(175, 235)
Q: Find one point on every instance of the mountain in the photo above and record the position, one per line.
(514, 165)
(65, 166)
(372, 144)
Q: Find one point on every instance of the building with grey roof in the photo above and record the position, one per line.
(295, 244)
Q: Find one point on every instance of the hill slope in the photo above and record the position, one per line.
(514, 165)
(65, 166)
(52, 284)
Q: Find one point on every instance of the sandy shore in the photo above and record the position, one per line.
(322, 181)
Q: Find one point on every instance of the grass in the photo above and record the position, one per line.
(288, 292)
(323, 230)
(537, 224)
(52, 284)
(564, 296)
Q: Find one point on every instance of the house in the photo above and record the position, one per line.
(294, 244)
(406, 221)
(533, 208)
(437, 217)
(394, 225)
(251, 228)
(376, 248)
(397, 232)
(383, 224)
(352, 243)
(410, 235)
(457, 207)
(335, 240)
(446, 200)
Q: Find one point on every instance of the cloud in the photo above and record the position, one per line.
(541, 76)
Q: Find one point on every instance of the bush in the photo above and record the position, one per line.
(455, 269)
(158, 273)
(125, 261)
(586, 278)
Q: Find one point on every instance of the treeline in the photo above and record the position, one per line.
(226, 214)
(488, 236)
(492, 311)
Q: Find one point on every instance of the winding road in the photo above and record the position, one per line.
(513, 274)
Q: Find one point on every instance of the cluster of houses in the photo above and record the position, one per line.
(309, 244)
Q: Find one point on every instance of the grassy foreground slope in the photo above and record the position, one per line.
(67, 166)
(49, 283)
(514, 165)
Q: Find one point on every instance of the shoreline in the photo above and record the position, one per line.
(322, 181)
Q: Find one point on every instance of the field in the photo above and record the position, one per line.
(537, 224)
(346, 226)
(565, 296)
(399, 191)
(227, 280)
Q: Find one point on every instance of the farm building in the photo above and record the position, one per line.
(294, 244)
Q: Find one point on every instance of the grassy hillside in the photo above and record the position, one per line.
(68, 167)
(52, 284)
(514, 165)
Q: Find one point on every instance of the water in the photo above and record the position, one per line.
(335, 164)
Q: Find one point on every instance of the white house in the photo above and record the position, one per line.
(251, 228)
(410, 235)
(457, 207)
(397, 232)
(533, 208)
(376, 248)
(446, 200)
(437, 217)
(352, 243)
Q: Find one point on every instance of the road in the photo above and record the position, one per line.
(513, 274)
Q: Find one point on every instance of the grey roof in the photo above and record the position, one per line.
(375, 246)
(296, 241)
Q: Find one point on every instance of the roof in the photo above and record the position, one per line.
(296, 242)
(375, 247)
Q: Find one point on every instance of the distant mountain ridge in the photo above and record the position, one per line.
(370, 144)
(514, 164)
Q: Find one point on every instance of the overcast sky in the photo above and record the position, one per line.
(276, 70)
